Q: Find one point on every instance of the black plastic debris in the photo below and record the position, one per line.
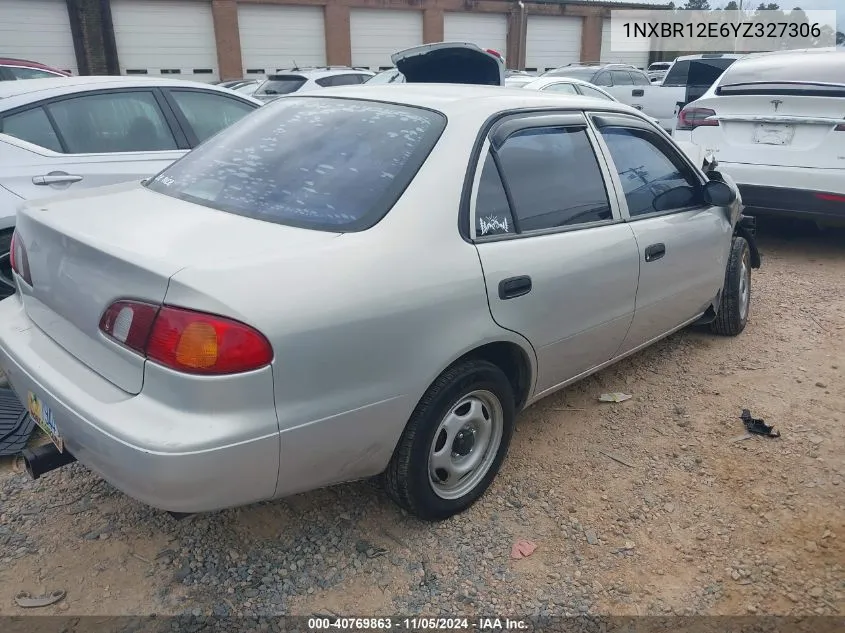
(757, 425)
(15, 424)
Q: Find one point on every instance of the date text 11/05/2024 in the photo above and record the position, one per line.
(752, 30)
(417, 624)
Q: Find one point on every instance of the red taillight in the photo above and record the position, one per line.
(691, 118)
(18, 258)
(830, 197)
(840, 127)
(494, 52)
(186, 340)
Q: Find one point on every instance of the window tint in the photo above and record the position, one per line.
(347, 80)
(32, 126)
(30, 73)
(698, 72)
(492, 211)
(578, 73)
(621, 78)
(112, 122)
(554, 178)
(208, 113)
(281, 85)
(640, 79)
(648, 173)
(602, 79)
(568, 89)
(589, 91)
(320, 163)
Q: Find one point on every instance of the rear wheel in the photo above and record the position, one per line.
(454, 442)
(736, 293)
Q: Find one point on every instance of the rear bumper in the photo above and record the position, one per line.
(814, 194)
(164, 457)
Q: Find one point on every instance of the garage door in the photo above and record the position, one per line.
(552, 42)
(377, 34)
(173, 38)
(276, 37)
(37, 30)
(608, 56)
(487, 30)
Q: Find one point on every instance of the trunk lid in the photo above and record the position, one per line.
(87, 250)
(450, 63)
(775, 129)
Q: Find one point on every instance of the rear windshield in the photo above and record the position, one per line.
(312, 162)
(585, 74)
(281, 85)
(697, 72)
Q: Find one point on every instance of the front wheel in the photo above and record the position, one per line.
(454, 442)
(736, 293)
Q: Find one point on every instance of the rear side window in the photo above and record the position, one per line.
(208, 113)
(281, 85)
(112, 122)
(589, 91)
(640, 79)
(32, 126)
(602, 79)
(492, 210)
(553, 178)
(319, 163)
(567, 89)
(19, 72)
(621, 78)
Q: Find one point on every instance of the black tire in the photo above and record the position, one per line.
(734, 310)
(407, 478)
(5, 265)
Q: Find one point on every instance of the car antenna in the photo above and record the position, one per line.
(295, 65)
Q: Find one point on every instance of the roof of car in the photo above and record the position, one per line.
(545, 81)
(710, 56)
(14, 93)
(26, 63)
(460, 98)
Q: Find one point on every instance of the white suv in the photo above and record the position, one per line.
(301, 79)
(776, 124)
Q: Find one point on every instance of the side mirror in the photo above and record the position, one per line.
(719, 194)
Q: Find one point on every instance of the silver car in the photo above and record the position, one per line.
(360, 281)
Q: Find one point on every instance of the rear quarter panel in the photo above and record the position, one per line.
(363, 324)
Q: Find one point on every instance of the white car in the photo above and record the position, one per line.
(303, 79)
(776, 124)
(73, 133)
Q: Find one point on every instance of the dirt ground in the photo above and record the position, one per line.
(657, 505)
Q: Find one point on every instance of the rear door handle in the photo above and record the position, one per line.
(55, 179)
(639, 92)
(654, 252)
(514, 287)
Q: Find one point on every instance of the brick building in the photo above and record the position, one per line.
(224, 39)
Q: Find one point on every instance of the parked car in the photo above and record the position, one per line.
(688, 78)
(389, 76)
(657, 71)
(72, 133)
(164, 353)
(571, 86)
(776, 122)
(626, 83)
(248, 87)
(12, 69)
(468, 63)
(303, 79)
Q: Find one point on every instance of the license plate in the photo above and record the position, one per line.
(773, 133)
(43, 417)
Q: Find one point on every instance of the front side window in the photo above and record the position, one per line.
(32, 126)
(562, 88)
(208, 113)
(313, 162)
(652, 179)
(640, 79)
(603, 79)
(553, 178)
(112, 122)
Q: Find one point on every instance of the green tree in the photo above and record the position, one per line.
(732, 6)
(771, 6)
(840, 38)
(697, 5)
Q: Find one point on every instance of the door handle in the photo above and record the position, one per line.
(55, 179)
(514, 287)
(654, 252)
(639, 92)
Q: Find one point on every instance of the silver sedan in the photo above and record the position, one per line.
(367, 280)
